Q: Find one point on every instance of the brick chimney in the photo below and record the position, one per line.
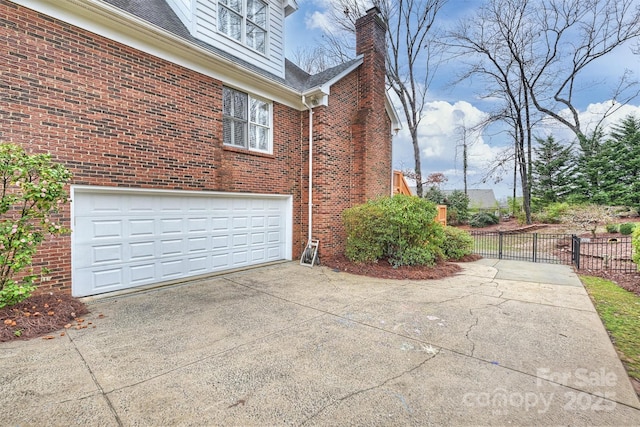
(372, 128)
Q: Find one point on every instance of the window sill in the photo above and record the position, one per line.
(249, 152)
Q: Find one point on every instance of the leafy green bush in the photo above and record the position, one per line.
(627, 228)
(457, 243)
(31, 188)
(401, 229)
(635, 242)
(483, 219)
(611, 228)
(553, 213)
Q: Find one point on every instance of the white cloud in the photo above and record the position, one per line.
(319, 21)
(590, 118)
(441, 137)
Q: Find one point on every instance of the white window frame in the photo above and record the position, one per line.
(250, 125)
(245, 22)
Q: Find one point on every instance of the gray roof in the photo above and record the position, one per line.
(480, 199)
(159, 13)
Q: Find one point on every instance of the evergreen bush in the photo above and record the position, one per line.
(627, 228)
(611, 228)
(457, 244)
(483, 219)
(401, 229)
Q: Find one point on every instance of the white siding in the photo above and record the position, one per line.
(200, 17)
(182, 8)
(205, 29)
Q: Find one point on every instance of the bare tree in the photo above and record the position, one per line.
(412, 56)
(534, 53)
(467, 137)
(313, 59)
(568, 37)
(491, 45)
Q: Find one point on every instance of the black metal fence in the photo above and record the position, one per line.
(613, 254)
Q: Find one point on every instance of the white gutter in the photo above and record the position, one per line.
(304, 101)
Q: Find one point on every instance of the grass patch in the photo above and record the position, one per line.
(620, 312)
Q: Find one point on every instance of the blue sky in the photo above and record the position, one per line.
(449, 106)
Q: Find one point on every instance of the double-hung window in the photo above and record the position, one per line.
(246, 121)
(244, 21)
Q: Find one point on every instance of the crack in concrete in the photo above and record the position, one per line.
(368, 389)
(96, 382)
(466, 335)
(219, 353)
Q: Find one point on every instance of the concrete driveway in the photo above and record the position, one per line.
(502, 343)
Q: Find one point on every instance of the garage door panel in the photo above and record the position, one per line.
(240, 240)
(171, 269)
(258, 255)
(220, 224)
(240, 258)
(219, 242)
(240, 223)
(258, 221)
(104, 229)
(107, 253)
(170, 226)
(198, 265)
(197, 225)
(274, 221)
(197, 244)
(142, 274)
(257, 238)
(274, 253)
(141, 250)
(123, 239)
(107, 278)
(141, 227)
(273, 237)
(221, 261)
(171, 247)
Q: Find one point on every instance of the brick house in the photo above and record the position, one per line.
(188, 134)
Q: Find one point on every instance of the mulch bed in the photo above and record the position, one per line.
(384, 270)
(41, 315)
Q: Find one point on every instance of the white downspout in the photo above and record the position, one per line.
(304, 101)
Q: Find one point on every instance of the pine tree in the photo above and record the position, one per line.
(621, 173)
(552, 171)
(590, 166)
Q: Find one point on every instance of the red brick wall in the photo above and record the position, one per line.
(352, 137)
(372, 128)
(119, 117)
(116, 116)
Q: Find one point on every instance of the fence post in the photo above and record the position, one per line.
(535, 247)
(500, 245)
(575, 250)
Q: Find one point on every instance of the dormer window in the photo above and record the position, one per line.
(244, 21)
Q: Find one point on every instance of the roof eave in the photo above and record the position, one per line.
(123, 27)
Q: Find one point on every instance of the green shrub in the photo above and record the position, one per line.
(627, 228)
(553, 213)
(363, 224)
(635, 243)
(611, 228)
(457, 243)
(401, 229)
(483, 219)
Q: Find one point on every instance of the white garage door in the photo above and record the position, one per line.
(123, 239)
